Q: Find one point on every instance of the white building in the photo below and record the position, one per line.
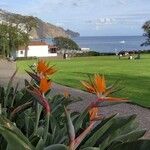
(37, 49)
(85, 49)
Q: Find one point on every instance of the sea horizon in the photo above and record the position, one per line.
(107, 35)
(106, 44)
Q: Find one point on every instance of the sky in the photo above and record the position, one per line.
(88, 17)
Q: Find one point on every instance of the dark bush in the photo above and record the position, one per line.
(93, 53)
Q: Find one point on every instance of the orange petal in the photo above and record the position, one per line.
(103, 84)
(44, 85)
(93, 112)
(50, 71)
(100, 83)
(88, 87)
(41, 67)
(66, 94)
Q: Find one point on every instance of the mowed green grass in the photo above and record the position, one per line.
(134, 74)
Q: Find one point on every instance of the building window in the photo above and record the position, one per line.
(52, 50)
(21, 52)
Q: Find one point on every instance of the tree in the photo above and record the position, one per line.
(11, 37)
(30, 22)
(146, 28)
(4, 48)
(23, 23)
(65, 43)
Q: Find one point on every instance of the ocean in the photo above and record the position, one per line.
(115, 44)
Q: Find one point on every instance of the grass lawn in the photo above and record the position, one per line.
(134, 74)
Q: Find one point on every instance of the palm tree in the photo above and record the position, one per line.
(146, 28)
(4, 40)
(11, 37)
(22, 26)
(30, 23)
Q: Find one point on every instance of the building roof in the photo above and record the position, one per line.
(52, 46)
(37, 43)
(21, 48)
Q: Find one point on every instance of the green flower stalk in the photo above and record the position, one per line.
(71, 130)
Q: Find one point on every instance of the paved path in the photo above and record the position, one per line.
(6, 71)
(143, 114)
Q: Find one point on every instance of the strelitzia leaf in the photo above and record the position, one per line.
(14, 94)
(9, 88)
(79, 121)
(20, 109)
(97, 132)
(12, 78)
(13, 136)
(34, 140)
(91, 148)
(132, 136)
(57, 147)
(40, 145)
(120, 127)
(80, 138)
(70, 127)
(135, 145)
(33, 76)
(42, 100)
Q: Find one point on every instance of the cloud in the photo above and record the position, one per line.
(75, 4)
(84, 15)
(98, 23)
(105, 21)
(102, 21)
(131, 20)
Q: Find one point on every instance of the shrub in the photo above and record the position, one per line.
(93, 53)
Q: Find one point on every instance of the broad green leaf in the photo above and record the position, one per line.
(40, 145)
(79, 121)
(60, 136)
(132, 136)
(91, 148)
(40, 131)
(57, 147)
(70, 127)
(33, 76)
(121, 126)
(34, 140)
(136, 145)
(23, 97)
(98, 131)
(8, 90)
(13, 135)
